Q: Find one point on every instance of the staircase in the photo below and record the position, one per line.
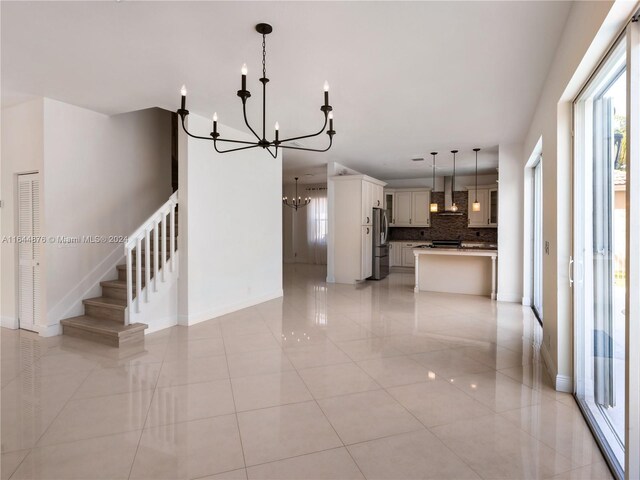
(106, 318)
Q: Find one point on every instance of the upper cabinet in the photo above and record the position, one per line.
(372, 197)
(487, 216)
(409, 208)
(389, 203)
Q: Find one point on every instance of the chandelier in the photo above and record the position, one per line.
(244, 94)
(297, 201)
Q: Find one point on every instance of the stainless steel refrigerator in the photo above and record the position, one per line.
(380, 244)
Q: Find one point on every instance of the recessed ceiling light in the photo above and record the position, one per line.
(308, 174)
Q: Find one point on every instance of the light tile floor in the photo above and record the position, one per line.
(330, 382)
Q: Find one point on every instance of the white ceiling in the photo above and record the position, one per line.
(406, 77)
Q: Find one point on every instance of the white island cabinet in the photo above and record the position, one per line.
(470, 271)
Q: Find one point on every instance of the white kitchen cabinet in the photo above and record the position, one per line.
(493, 207)
(412, 208)
(408, 259)
(389, 204)
(378, 196)
(420, 208)
(487, 217)
(403, 209)
(367, 203)
(366, 264)
(395, 254)
(351, 211)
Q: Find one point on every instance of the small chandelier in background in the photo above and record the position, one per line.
(261, 141)
(297, 202)
(476, 204)
(433, 207)
(454, 207)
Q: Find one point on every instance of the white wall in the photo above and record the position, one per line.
(510, 229)
(22, 152)
(589, 30)
(112, 173)
(100, 176)
(230, 226)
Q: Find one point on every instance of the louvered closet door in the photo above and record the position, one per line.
(29, 250)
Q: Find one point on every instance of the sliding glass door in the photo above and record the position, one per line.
(599, 269)
(537, 239)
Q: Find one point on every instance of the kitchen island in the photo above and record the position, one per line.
(456, 270)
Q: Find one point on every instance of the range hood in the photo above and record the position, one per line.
(448, 199)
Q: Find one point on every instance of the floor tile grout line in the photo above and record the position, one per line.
(235, 408)
(146, 418)
(62, 409)
(324, 414)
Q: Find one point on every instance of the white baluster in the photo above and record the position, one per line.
(129, 285)
(147, 264)
(138, 272)
(172, 240)
(163, 235)
(156, 248)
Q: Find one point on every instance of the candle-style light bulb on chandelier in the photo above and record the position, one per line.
(297, 202)
(476, 204)
(433, 207)
(261, 141)
(454, 207)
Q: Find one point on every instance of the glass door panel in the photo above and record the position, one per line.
(537, 239)
(599, 269)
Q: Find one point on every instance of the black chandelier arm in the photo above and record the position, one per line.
(233, 149)
(310, 149)
(274, 155)
(228, 140)
(326, 115)
(254, 144)
(190, 134)
(246, 120)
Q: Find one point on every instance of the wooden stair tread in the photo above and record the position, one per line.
(107, 302)
(103, 327)
(115, 284)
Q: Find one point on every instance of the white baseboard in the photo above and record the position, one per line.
(562, 383)
(161, 323)
(510, 298)
(526, 302)
(9, 322)
(49, 330)
(223, 310)
(71, 303)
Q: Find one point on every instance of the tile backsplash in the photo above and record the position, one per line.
(444, 227)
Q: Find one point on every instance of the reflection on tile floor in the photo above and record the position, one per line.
(329, 382)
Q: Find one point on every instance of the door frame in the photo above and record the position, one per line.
(527, 267)
(16, 252)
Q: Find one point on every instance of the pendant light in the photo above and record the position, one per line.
(297, 201)
(433, 207)
(454, 207)
(476, 204)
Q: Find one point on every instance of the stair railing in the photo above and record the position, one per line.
(154, 227)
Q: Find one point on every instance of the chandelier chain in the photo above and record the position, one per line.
(264, 56)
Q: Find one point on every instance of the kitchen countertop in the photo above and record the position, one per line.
(465, 245)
